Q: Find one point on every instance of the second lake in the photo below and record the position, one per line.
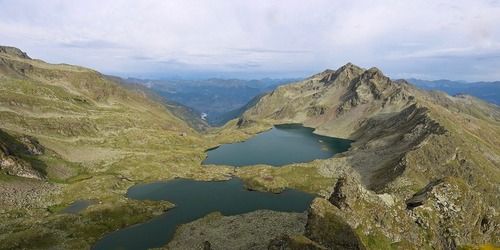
(282, 145)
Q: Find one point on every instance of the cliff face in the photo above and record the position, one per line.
(426, 165)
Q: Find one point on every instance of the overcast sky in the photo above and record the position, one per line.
(453, 39)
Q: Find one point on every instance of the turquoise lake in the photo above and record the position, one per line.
(195, 199)
(283, 144)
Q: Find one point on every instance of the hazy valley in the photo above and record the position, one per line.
(217, 100)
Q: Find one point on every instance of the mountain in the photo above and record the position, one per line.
(192, 117)
(423, 171)
(236, 113)
(217, 98)
(488, 91)
(59, 102)
(69, 133)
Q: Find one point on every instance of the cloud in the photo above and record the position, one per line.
(247, 65)
(459, 52)
(89, 44)
(291, 38)
(270, 51)
(142, 58)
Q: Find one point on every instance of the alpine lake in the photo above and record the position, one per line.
(282, 145)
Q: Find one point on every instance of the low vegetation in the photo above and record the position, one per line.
(82, 136)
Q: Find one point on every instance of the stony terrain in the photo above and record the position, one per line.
(423, 172)
(239, 231)
(15, 153)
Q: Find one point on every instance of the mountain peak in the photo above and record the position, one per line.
(374, 73)
(374, 70)
(13, 51)
(350, 66)
(348, 71)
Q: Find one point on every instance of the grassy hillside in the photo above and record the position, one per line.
(96, 139)
(187, 114)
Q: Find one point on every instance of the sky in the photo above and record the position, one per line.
(455, 39)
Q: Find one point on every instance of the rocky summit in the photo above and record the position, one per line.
(422, 171)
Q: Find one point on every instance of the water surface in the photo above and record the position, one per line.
(195, 199)
(283, 144)
(78, 206)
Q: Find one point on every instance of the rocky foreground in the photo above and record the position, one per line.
(248, 231)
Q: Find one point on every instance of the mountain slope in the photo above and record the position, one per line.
(61, 104)
(69, 133)
(187, 114)
(233, 114)
(428, 160)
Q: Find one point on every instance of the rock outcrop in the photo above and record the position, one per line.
(14, 52)
(247, 231)
(18, 167)
(329, 229)
(13, 154)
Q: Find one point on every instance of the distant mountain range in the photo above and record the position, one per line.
(215, 99)
(488, 91)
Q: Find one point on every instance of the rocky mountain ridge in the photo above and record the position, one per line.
(427, 162)
(14, 52)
